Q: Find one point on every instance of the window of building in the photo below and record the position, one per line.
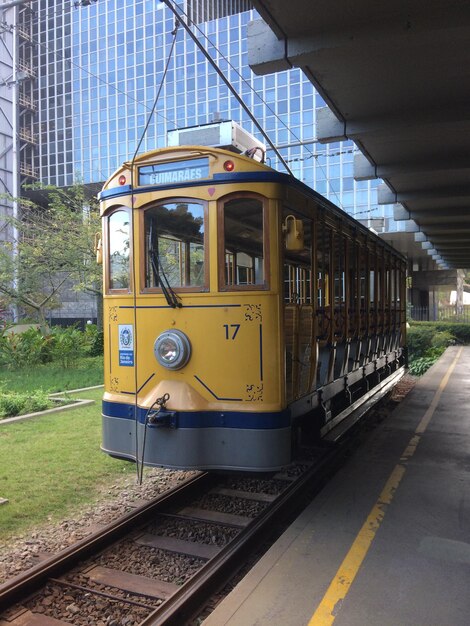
(203, 11)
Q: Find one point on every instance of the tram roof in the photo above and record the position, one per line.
(253, 172)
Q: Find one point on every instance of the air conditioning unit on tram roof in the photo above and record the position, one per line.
(227, 135)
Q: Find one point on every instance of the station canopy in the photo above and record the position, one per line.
(396, 79)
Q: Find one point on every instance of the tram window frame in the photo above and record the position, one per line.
(339, 265)
(324, 243)
(381, 293)
(325, 230)
(224, 254)
(352, 305)
(372, 280)
(145, 288)
(107, 246)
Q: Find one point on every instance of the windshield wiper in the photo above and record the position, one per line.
(172, 298)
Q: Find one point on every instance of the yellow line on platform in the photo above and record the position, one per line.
(330, 605)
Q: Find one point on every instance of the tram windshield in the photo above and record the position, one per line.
(244, 236)
(174, 245)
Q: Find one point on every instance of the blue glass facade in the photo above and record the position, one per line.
(101, 67)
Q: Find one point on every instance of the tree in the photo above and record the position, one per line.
(53, 245)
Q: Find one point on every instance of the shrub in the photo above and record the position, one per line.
(418, 339)
(426, 343)
(442, 339)
(67, 345)
(39, 401)
(420, 365)
(26, 349)
(460, 331)
(94, 340)
(64, 345)
(12, 404)
(421, 338)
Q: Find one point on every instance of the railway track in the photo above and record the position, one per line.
(160, 563)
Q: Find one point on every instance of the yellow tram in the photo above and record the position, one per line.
(240, 307)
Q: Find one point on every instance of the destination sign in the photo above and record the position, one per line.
(174, 173)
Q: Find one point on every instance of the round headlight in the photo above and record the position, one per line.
(172, 349)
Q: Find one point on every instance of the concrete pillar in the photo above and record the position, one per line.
(459, 289)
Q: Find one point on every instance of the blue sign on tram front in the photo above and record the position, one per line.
(126, 345)
(174, 173)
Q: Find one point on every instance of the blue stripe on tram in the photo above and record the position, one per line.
(206, 419)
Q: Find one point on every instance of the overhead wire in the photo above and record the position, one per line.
(248, 84)
(93, 75)
(276, 149)
(242, 78)
(221, 75)
(174, 298)
(142, 104)
(79, 67)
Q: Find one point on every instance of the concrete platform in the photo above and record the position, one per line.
(387, 541)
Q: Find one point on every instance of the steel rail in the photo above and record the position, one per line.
(29, 581)
(184, 605)
(190, 598)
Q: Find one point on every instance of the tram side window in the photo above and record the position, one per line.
(298, 268)
(119, 248)
(243, 243)
(174, 245)
(372, 286)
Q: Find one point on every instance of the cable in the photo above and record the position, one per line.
(140, 473)
(98, 78)
(213, 63)
(174, 33)
(242, 78)
(316, 155)
(227, 83)
(235, 93)
(134, 272)
(263, 101)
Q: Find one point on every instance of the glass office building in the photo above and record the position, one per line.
(102, 64)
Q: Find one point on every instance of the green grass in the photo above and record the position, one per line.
(52, 465)
(53, 377)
